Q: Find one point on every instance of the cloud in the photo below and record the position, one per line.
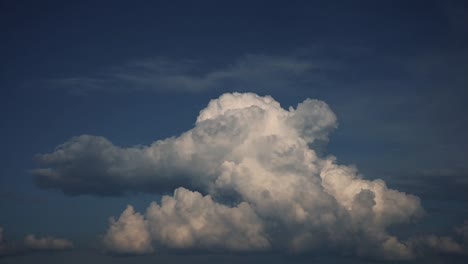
(31, 243)
(91, 164)
(46, 243)
(129, 234)
(187, 220)
(246, 178)
(431, 243)
(190, 220)
(163, 75)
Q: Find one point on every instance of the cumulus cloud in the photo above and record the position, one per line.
(187, 220)
(246, 178)
(224, 130)
(128, 235)
(32, 243)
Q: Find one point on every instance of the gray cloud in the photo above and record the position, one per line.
(46, 243)
(246, 177)
(31, 243)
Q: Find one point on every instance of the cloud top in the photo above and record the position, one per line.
(224, 130)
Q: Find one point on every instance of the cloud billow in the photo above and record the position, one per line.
(248, 149)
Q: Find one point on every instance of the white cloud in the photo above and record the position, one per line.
(190, 220)
(129, 234)
(186, 220)
(247, 150)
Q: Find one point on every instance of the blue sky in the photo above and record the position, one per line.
(393, 72)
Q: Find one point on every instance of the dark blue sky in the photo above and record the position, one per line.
(394, 73)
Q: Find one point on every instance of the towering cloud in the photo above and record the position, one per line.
(246, 177)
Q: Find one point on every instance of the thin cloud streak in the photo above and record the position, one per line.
(165, 75)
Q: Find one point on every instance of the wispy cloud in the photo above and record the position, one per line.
(333, 67)
(163, 75)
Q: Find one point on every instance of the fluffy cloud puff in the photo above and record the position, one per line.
(128, 235)
(32, 243)
(248, 151)
(187, 220)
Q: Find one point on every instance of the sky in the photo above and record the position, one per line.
(233, 131)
